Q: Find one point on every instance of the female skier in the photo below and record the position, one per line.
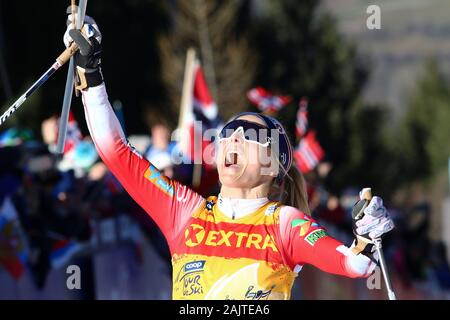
(240, 244)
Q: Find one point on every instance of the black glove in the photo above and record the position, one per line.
(363, 244)
(88, 58)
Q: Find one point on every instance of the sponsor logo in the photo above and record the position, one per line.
(196, 235)
(209, 205)
(190, 268)
(190, 278)
(194, 266)
(271, 210)
(315, 235)
(304, 224)
(191, 285)
(154, 176)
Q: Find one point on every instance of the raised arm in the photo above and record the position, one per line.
(169, 203)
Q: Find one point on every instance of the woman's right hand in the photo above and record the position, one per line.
(88, 58)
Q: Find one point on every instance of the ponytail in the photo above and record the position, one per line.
(292, 191)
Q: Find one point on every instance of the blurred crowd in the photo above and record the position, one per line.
(51, 204)
(418, 261)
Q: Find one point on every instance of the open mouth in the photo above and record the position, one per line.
(231, 159)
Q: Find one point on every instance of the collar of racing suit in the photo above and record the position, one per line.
(239, 208)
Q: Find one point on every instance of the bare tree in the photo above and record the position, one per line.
(211, 28)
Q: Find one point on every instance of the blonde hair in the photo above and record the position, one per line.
(292, 190)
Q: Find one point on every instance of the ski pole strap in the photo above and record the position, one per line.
(362, 243)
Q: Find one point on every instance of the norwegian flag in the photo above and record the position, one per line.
(309, 153)
(203, 109)
(266, 101)
(73, 136)
(301, 124)
(13, 248)
(62, 251)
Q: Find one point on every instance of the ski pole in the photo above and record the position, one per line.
(387, 281)
(367, 196)
(64, 119)
(60, 61)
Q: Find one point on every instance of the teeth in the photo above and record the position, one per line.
(231, 157)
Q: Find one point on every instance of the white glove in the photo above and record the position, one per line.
(90, 28)
(376, 220)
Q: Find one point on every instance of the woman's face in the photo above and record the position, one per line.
(242, 163)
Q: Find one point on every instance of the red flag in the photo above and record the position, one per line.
(13, 255)
(301, 124)
(205, 110)
(266, 101)
(202, 99)
(309, 153)
(62, 251)
(73, 135)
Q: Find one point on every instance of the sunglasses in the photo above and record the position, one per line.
(252, 132)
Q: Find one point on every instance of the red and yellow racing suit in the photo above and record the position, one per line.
(214, 256)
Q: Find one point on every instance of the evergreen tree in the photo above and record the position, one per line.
(302, 54)
(424, 134)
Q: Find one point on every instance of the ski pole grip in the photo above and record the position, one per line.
(367, 194)
(358, 214)
(69, 52)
